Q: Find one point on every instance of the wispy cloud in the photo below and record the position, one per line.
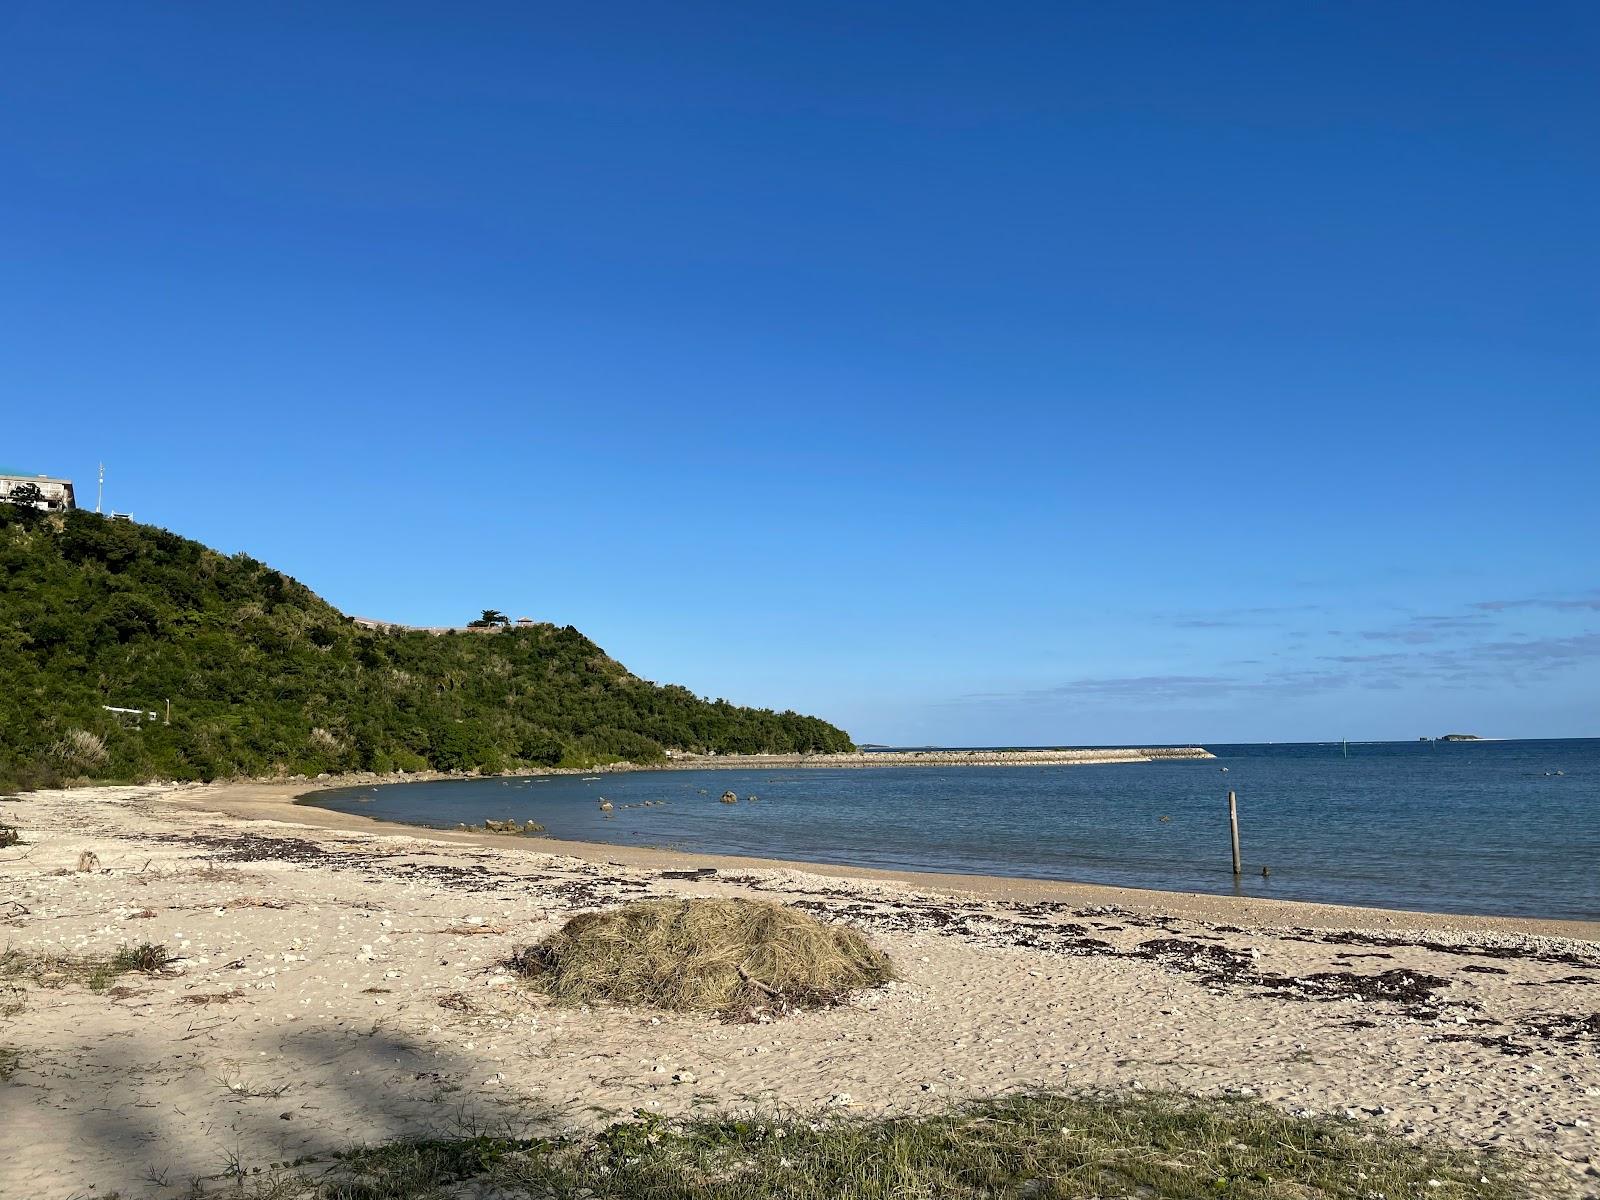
(1588, 601)
(1424, 628)
(1167, 689)
(1470, 648)
(1262, 616)
(1506, 659)
(1509, 660)
(1450, 620)
(1544, 652)
(1125, 687)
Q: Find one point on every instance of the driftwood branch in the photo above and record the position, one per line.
(756, 983)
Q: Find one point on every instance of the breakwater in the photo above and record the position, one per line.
(934, 758)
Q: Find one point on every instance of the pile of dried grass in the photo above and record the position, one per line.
(738, 958)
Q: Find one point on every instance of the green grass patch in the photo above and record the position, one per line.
(148, 957)
(93, 971)
(1042, 1147)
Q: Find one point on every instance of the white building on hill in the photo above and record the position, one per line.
(37, 491)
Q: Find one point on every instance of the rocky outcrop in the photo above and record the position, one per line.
(506, 826)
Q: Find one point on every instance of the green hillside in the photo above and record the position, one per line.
(266, 678)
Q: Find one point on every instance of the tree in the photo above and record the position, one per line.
(492, 618)
(27, 494)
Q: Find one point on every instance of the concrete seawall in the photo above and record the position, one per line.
(757, 762)
(938, 758)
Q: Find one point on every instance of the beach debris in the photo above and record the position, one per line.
(730, 797)
(1530, 952)
(1220, 965)
(247, 902)
(1503, 1044)
(1215, 965)
(1564, 1027)
(742, 959)
(204, 998)
(88, 861)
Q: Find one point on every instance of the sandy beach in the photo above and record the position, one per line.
(343, 981)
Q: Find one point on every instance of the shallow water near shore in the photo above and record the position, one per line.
(1499, 828)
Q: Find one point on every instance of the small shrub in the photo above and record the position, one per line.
(148, 957)
(79, 750)
(737, 958)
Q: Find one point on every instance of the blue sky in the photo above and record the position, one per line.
(965, 373)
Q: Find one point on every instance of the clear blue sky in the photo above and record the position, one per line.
(964, 373)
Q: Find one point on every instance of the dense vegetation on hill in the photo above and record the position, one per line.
(266, 678)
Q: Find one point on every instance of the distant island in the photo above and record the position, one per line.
(1460, 737)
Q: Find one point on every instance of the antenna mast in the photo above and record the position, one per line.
(100, 493)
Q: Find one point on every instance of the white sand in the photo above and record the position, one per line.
(340, 983)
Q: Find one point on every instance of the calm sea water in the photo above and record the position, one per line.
(1479, 827)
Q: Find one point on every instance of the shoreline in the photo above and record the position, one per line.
(290, 803)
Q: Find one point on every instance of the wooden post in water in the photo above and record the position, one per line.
(1233, 829)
